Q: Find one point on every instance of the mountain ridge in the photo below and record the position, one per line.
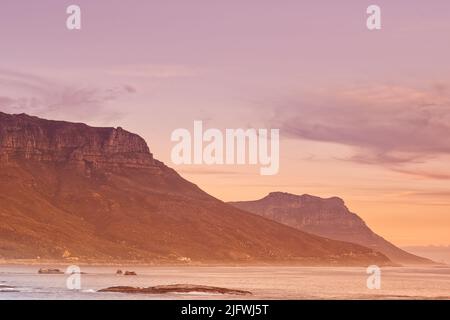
(327, 217)
(75, 192)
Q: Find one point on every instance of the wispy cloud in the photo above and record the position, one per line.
(153, 71)
(203, 171)
(427, 174)
(443, 194)
(43, 96)
(387, 125)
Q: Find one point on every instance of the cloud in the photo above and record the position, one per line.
(130, 89)
(387, 125)
(153, 71)
(28, 93)
(435, 175)
(203, 171)
(22, 81)
(443, 194)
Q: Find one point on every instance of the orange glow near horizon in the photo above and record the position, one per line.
(403, 208)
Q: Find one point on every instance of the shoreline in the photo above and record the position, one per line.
(42, 262)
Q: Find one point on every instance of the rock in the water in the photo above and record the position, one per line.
(7, 289)
(176, 288)
(50, 271)
(4, 286)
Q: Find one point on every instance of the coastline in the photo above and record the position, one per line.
(132, 263)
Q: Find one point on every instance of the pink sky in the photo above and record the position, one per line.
(363, 115)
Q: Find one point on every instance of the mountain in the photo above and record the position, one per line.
(75, 192)
(328, 218)
(440, 254)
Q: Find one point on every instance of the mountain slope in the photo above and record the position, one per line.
(97, 194)
(325, 217)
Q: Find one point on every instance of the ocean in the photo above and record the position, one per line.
(265, 282)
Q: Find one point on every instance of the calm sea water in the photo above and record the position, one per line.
(23, 282)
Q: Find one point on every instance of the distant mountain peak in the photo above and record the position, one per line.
(326, 217)
(285, 196)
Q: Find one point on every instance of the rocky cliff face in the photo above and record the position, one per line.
(22, 136)
(73, 192)
(308, 212)
(325, 217)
